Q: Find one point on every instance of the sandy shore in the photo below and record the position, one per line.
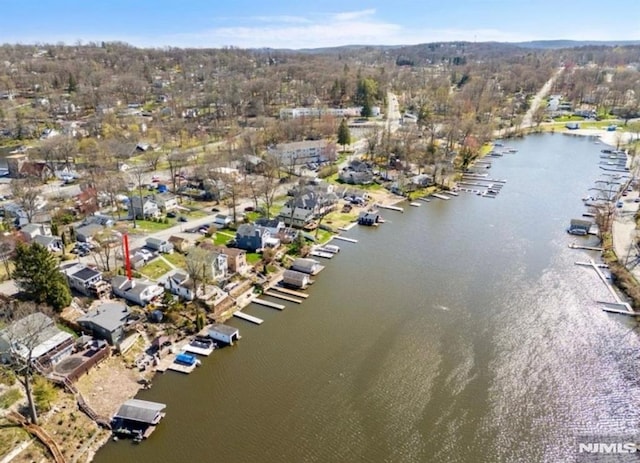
(616, 138)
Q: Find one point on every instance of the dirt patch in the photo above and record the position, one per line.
(108, 385)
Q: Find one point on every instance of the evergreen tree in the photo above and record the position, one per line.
(344, 135)
(36, 274)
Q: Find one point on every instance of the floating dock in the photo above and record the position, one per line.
(588, 248)
(426, 200)
(247, 317)
(440, 196)
(282, 296)
(415, 204)
(269, 304)
(344, 238)
(323, 254)
(206, 352)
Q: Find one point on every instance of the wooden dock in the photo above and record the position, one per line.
(588, 248)
(247, 317)
(284, 297)
(440, 196)
(292, 292)
(597, 268)
(391, 208)
(344, 238)
(426, 200)
(271, 305)
(415, 204)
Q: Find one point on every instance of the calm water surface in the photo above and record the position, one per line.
(460, 331)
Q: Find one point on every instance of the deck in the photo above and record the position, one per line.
(290, 291)
(323, 254)
(344, 238)
(282, 296)
(205, 352)
(440, 196)
(271, 305)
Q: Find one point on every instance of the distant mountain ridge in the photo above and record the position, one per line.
(554, 44)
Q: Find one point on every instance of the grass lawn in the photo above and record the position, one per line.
(155, 269)
(323, 235)
(176, 259)
(223, 237)
(253, 258)
(150, 226)
(340, 219)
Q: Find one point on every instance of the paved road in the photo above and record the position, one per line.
(527, 120)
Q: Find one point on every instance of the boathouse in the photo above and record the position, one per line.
(224, 333)
(295, 279)
(137, 418)
(308, 266)
(369, 218)
(579, 227)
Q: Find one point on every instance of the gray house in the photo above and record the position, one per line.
(85, 232)
(86, 280)
(251, 237)
(107, 322)
(145, 208)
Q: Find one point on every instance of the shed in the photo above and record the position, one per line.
(579, 227)
(224, 333)
(160, 245)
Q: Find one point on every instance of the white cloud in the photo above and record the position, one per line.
(352, 15)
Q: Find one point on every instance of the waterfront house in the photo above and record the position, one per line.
(137, 291)
(213, 264)
(224, 333)
(251, 237)
(236, 258)
(86, 280)
(295, 279)
(35, 337)
(357, 172)
(306, 205)
(308, 266)
(107, 321)
(180, 284)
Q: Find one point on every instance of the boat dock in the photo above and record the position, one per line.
(290, 291)
(282, 296)
(391, 208)
(204, 351)
(344, 238)
(271, 305)
(619, 306)
(186, 369)
(440, 196)
(247, 317)
(588, 248)
(323, 254)
(415, 204)
(426, 200)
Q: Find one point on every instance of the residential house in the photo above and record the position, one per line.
(145, 208)
(85, 233)
(51, 243)
(308, 266)
(86, 280)
(107, 321)
(166, 202)
(222, 221)
(180, 284)
(31, 230)
(273, 226)
(306, 205)
(253, 164)
(181, 244)
(236, 258)
(100, 219)
(35, 337)
(86, 202)
(356, 173)
(251, 237)
(303, 152)
(214, 264)
(368, 218)
(19, 166)
(137, 291)
(293, 113)
(160, 245)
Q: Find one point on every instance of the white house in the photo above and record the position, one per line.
(214, 264)
(137, 291)
(31, 230)
(222, 221)
(51, 243)
(181, 285)
(166, 202)
(303, 152)
(145, 208)
(85, 280)
(224, 333)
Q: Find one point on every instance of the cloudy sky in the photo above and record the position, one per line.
(303, 24)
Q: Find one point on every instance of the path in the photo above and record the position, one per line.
(535, 103)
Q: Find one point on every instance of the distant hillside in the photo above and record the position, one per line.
(555, 44)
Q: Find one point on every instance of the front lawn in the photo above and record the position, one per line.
(253, 258)
(176, 259)
(151, 226)
(155, 269)
(222, 238)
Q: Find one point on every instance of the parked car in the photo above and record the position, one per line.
(182, 218)
(171, 215)
(215, 209)
(619, 204)
(144, 253)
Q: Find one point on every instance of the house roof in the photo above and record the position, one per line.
(109, 315)
(85, 274)
(224, 329)
(46, 240)
(89, 229)
(46, 338)
(143, 411)
(31, 228)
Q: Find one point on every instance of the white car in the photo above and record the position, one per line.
(144, 253)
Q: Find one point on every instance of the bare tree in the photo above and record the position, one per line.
(177, 161)
(108, 244)
(22, 337)
(27, 195)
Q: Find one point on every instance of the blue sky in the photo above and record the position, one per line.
(304, 24)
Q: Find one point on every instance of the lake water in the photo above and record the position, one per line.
(459, 331)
